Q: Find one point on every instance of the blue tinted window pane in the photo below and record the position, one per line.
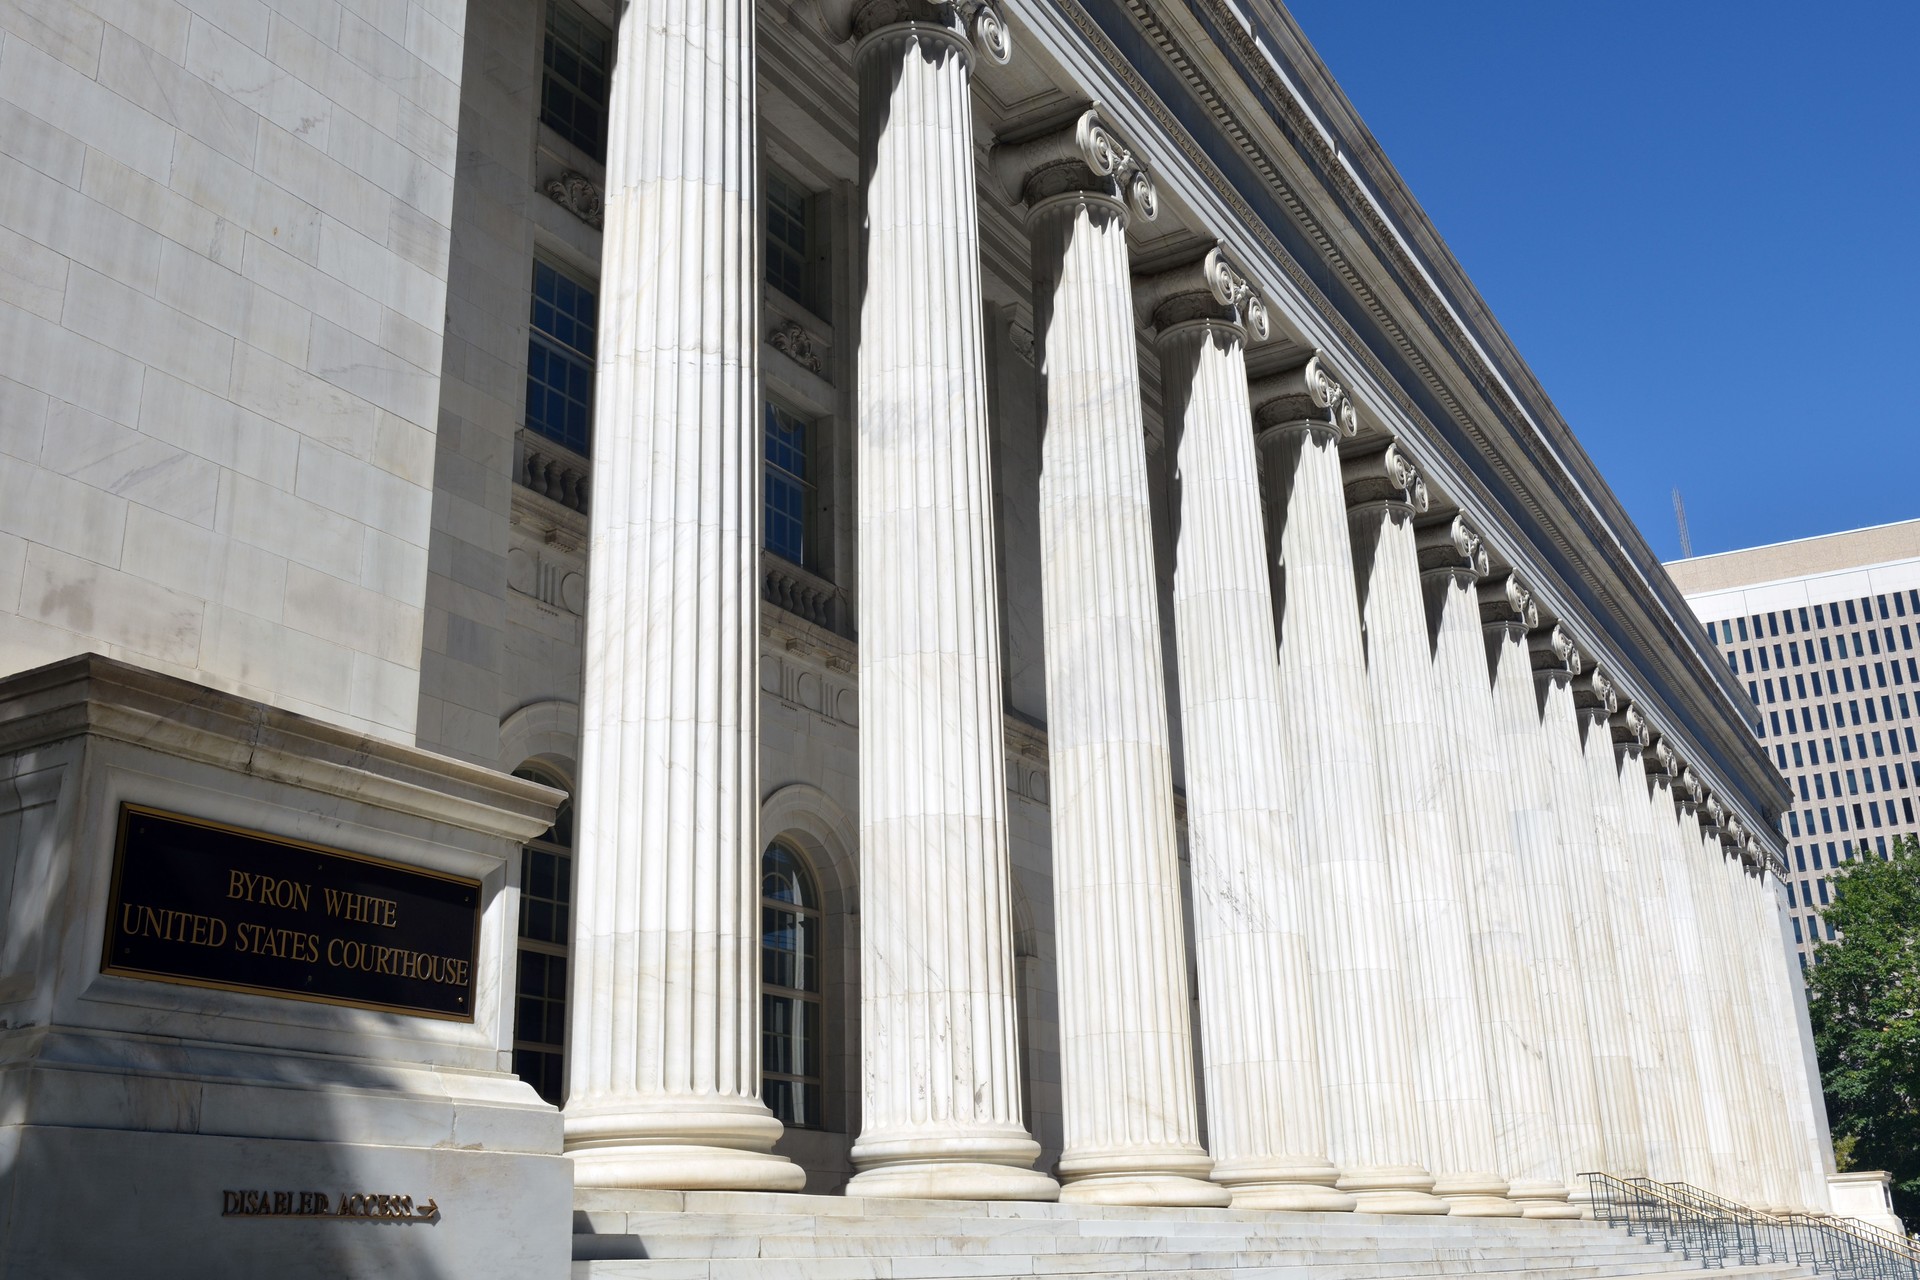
(573, 92)
(785, 500)
(560, 351)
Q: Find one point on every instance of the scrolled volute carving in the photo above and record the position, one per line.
(1387, 477)
(1597, 696)
(1208, 288)
(1454, 548)
(1631, 732)
(1555, 655)
(1508, 603)
(977, 22)
(1307, 397)
(1083, 155)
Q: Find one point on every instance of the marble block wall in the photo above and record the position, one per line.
(225, 241)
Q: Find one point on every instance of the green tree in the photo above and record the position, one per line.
(1864, 1000)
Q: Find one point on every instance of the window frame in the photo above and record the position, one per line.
(813, 910)
(549, 844)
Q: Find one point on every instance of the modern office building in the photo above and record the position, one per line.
(740, 615)
(1822, 633)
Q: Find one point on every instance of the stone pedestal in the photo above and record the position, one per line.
(1264, 1121)
(1126, 1041)
(226, 1069)
(1360, 1001)
(942, 1106)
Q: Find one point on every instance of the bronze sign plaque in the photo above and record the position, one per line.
(215, 906)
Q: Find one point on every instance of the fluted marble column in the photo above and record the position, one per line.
(664, 1072)
(1690, 1038)
(1771, 1118)
(1359, 996)
(1694, 925)
(1623, 1149)
(1536, 840)
(1669, 1088)
(938, 1023)
(1451, 1101)
(1809, 1175)
(1264, 1124)
(1512, 1032)
(1649, 1122)
(1750, 1119)
(1126, 1040)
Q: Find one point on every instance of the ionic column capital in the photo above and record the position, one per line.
(1596, 700)
(1506, 607)
(1453, 549)
(969, 24)
(1303, 399)
(1386, 479)
(1210, 290)
(1631, 733)
(1082, 157)
(1555, 656)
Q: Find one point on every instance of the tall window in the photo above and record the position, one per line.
(789, 988)
(546, 927)
(795, 245)
(787, 497)
(560, 347)
(573, 89)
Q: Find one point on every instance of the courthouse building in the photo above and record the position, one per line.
(1821, 632)
(891, 599)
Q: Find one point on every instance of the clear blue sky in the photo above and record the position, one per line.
(1699, 222)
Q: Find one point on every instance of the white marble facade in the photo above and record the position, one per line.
(1187, 709)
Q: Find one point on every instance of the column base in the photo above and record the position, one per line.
(665, 1145)
(1475, 1195)
(1391, 1189)
(1541, 1199)
(964, 1165)
(1175, 1177)
(1291, 1187)
(953, 1180)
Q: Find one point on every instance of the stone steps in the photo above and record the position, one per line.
(747, 1236)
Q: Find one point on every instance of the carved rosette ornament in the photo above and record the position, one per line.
(580, 196)
(1083, 157)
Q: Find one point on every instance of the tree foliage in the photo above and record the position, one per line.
(1864, 999)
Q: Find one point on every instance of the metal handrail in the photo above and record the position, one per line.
(1717, 1232)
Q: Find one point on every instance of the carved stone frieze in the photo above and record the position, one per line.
(580, 196)
(792, 340)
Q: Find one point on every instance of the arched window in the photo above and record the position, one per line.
(546, 932)
(790, 988)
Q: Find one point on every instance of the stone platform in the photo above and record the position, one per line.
(745, 1236)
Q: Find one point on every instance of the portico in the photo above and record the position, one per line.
(1448, 932)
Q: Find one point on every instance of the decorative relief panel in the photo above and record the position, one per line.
(580, 196)
(550, 580)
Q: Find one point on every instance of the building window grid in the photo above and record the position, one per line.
(578, 60)
(787, 498)
(560, 355)
(545, 931)
(790, 989)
